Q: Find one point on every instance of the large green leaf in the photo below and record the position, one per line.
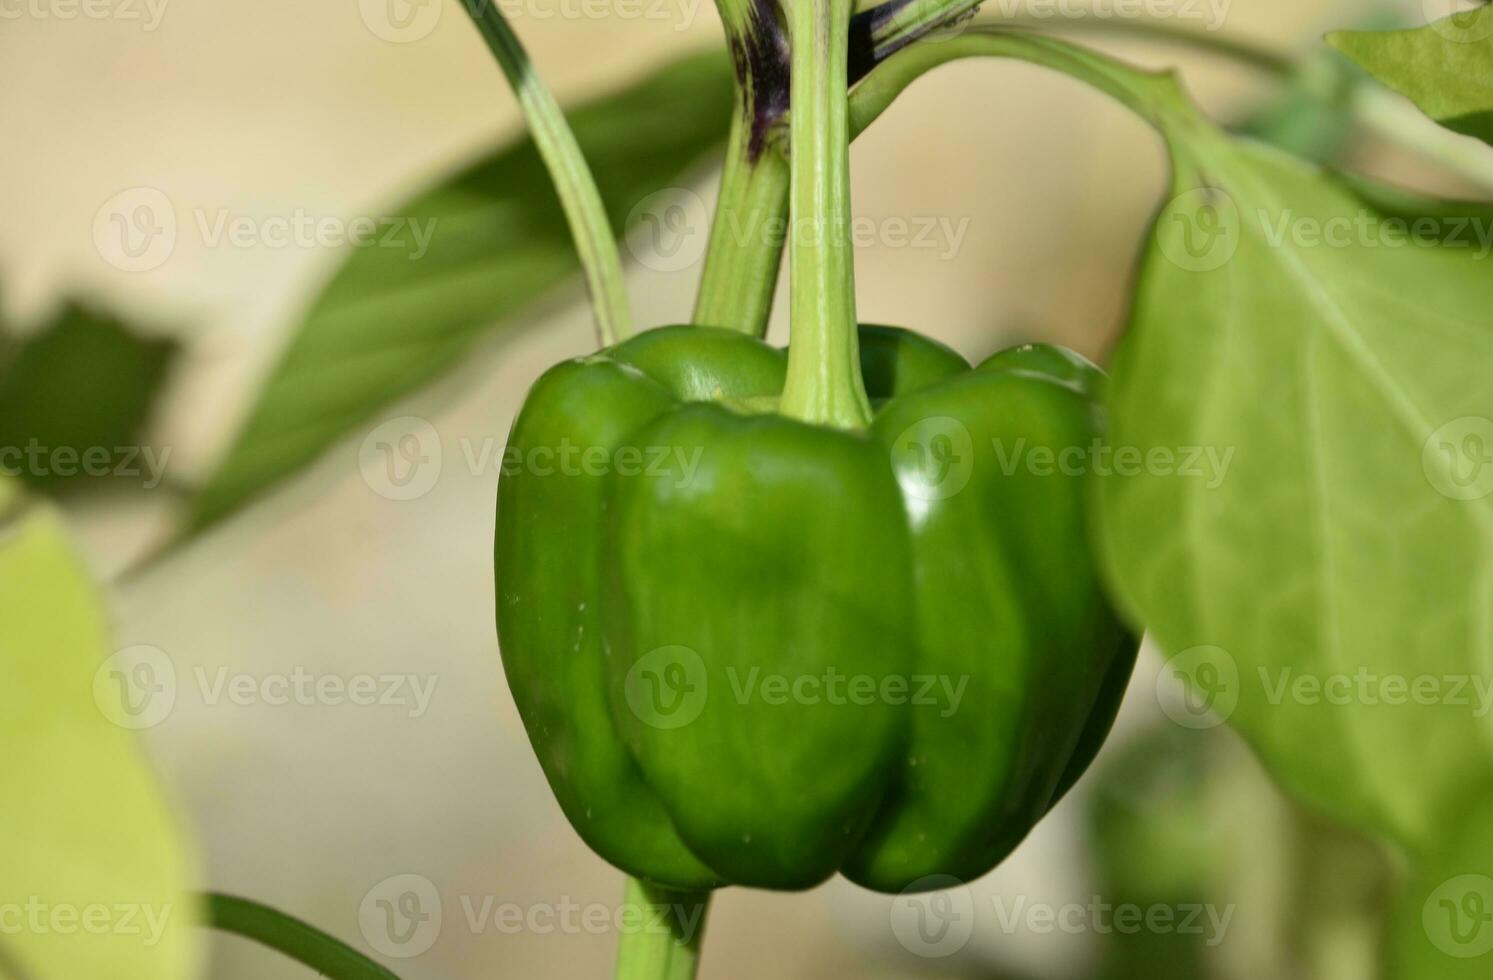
(394, 319)
(1445, 68)
(94, 866)
(1330, 585)
(74, 398)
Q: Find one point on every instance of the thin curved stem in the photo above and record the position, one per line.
(1152, 29)
(595, 241)
(1378, 110)
(1154, 96)
(328, 956)
(661, 933)
(824, 384)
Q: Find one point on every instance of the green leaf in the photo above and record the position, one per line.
(1159, 836)
(1324, 574)
(1445, 68)
(94, 866)
(1186, 818)
(74, 399)
(1442, 928)
(1311, 115)
(394, 319)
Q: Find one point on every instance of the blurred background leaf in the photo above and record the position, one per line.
(1184, 818)
(1311, 115)
(89, 838)
(390, 322)
(1445, 68)
(83, 386)
(1443, 922)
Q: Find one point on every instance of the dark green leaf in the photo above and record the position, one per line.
(394, 319)
(1445, 68)
(74, 398)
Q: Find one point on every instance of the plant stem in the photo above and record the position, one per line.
(746, 236)
(591, 230)
(1154, 96)
(661, 938)
(1152, 29)
(328, 956)
(824, 383)
(1377, 109)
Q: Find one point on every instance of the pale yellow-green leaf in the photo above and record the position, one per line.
(94, 865)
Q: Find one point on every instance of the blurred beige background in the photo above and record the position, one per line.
(276, 107)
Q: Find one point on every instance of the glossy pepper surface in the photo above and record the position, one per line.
(750, 650)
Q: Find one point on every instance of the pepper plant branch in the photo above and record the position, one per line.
(824, 384)
(745, 249)
(746, 240)
(664, 940)
(1380, 111)
(591, 230)
(1154, 96)
(328, 956)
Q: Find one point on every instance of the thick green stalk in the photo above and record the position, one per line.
(590, 228)
(824, 381)
(746, 237)
(661, 933)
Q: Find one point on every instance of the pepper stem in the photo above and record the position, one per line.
(746, 237)
(824, 379)
(661, 932)
(590, 228)
(746, 244)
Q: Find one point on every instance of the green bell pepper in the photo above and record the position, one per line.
(751, 650)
